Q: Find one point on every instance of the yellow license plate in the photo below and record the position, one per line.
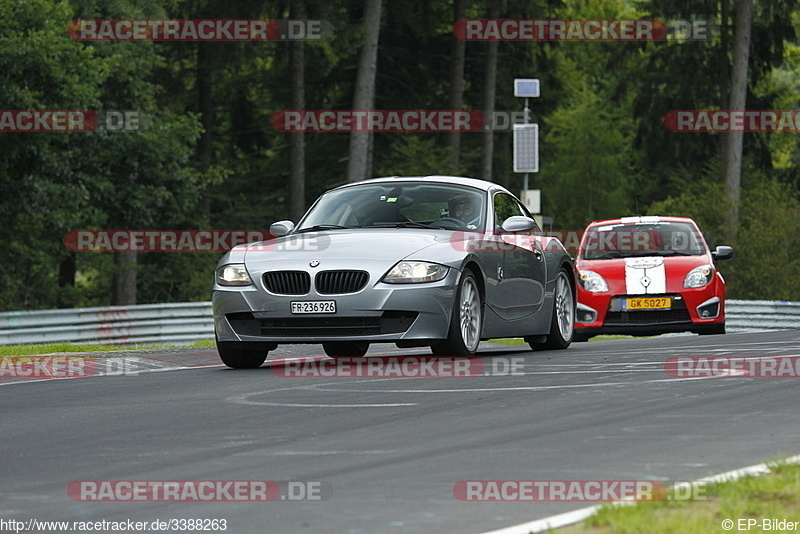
(649, 303)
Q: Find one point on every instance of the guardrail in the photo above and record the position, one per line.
(185, 322)
(177, 323)
(750, 315)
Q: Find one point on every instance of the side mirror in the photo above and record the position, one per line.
(518, 223)
(281, 228)
(723, 252)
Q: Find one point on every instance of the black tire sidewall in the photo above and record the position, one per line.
(454, 345)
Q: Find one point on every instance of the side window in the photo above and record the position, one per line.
(506, 206)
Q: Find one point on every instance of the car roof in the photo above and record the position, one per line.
(457, 180)
(641, 219)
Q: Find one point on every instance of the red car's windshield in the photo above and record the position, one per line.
(631, 240)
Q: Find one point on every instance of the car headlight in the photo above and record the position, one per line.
(233, 274)
(592, 282)
(414, 272)
(699, 276)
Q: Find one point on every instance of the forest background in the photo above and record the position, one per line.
(210, 159)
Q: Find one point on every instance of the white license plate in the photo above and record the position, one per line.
(314, 306)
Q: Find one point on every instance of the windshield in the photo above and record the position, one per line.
(399, 204)
(632, 240)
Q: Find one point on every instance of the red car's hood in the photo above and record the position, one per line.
(645, 275)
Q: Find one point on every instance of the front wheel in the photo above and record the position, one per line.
(342, 349)
(562, 325)
(237, 356)
(466, 321)
(713, 330)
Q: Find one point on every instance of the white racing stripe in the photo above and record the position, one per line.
(645, 276)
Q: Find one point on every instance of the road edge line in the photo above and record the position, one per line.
(569, 518)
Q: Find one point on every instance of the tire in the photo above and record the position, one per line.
(715, 330)
(562, 325)
(343, 349)
(466, 321)
(237, 356)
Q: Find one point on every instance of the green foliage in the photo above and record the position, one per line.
(21, 353)
(590, 169)
(695, 75)
(604, 149)
(414, 155)
(69, 181)
(766, 259)
(703, 508)
(590, 158)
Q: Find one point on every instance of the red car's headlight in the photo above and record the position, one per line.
(592, 282)
(699, 276)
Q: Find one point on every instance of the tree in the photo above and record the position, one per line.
(457, 54)
(357, 165)
(699, 78)
(733, 151)
(210, 158)
(297, 179)
(117, 180)
(489, 92)
(769, 226)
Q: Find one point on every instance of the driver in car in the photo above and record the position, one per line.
(464, 209)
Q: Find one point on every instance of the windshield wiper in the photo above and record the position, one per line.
(403, 224)
(607, 256)
(320, 227)
(659, 253)
(615, 254)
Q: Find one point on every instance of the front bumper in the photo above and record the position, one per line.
(691, 311)
(378, 313)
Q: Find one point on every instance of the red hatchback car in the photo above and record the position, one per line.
(648, 276)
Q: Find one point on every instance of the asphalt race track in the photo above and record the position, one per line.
(387, 452)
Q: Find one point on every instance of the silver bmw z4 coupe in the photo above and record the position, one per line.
(436, 261)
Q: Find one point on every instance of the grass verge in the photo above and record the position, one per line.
(750, 503)
(51, 348)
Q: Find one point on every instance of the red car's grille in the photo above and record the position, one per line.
(647, 318)
(677, 314)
